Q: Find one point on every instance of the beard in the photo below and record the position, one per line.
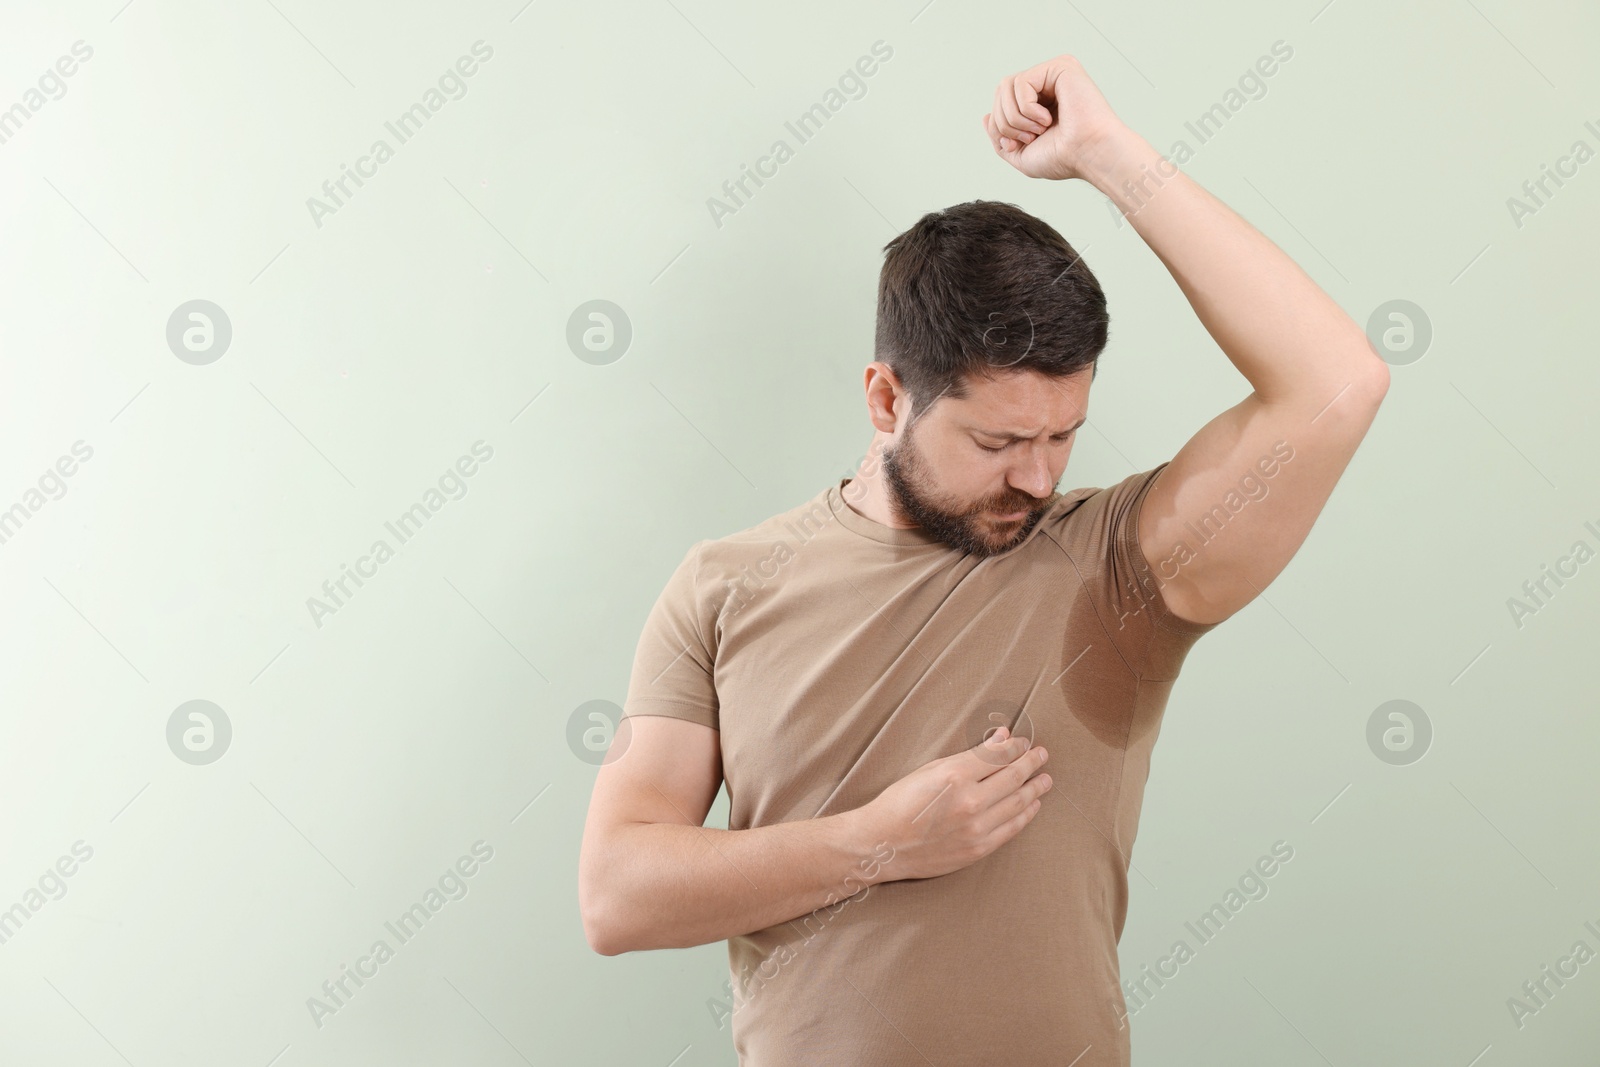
(965, 528)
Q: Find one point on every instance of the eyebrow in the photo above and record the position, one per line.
(1020, 437)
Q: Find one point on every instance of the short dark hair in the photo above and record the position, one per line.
(964, 288)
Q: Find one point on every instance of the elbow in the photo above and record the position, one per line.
(596, 910)
(1375, 374)
(602, 935)
(597, 927)
(1378, 382)
(613, 927)
(599, 937)
(1356, 384)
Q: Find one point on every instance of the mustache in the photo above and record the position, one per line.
(1029, 503)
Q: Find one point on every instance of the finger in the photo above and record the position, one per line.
(1003, 118)
(980, 761)
(1005, 147)
(1011, 104)
(1005, 806)
(988, 128)
(1012, 826)
(998, 750)
(1028, 102)
(1007, 779)
(1011, 778)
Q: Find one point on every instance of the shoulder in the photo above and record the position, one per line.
(1088, 523)
(756, 551)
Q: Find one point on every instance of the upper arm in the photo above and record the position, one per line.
(665, 761)
(659, 769)
(1237, 501)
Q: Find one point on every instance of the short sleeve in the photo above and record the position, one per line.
(1102, 537)
(673, 664)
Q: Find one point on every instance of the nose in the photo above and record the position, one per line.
(1033, 476)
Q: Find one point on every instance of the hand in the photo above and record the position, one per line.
(1050, 120)
(956, 810)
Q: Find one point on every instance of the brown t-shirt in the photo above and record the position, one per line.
(836, 655)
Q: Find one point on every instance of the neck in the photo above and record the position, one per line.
(868, 494)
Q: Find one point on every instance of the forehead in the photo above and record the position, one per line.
(1020, 401)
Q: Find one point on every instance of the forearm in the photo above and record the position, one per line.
(672, 886)
(1287, 337)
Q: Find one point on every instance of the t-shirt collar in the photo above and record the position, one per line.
(853, 520)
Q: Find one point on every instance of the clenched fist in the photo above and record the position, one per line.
(1050, 120)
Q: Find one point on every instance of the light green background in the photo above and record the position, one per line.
(370, 753)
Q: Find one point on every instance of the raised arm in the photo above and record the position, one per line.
(1238, 500)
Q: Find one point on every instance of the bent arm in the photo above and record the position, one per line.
(1317, 384)
(651, 876)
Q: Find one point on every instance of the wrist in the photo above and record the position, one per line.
(1114, 156)
(864, 846)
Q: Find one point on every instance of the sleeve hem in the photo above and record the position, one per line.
(677, 709)
(1149, 589)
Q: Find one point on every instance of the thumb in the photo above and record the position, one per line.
(1005, 146)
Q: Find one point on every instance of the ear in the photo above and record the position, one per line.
(887, 399)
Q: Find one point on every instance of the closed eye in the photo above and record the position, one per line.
(1060, 437)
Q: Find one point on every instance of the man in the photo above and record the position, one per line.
(880, 674)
